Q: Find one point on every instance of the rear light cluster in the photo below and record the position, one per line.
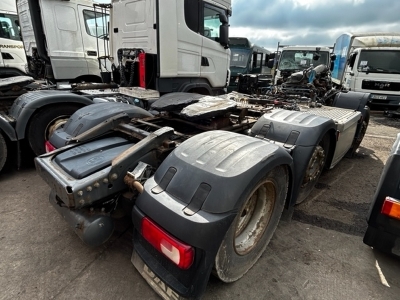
(179, 253)
(391, 207)
(49, 147)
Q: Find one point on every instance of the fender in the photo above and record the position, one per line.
(7, 128)
(88, 117)
(357, 101)
(196, 192)
(352, 100)
(299, 133)
(27, 104)
(186, 87)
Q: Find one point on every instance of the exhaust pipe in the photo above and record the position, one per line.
(93, 228)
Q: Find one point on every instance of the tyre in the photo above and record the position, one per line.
(314, 169)
(3, 151)
(253, 227)
(361, 134)
(45, 122)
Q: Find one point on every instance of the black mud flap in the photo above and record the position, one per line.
(159, 286)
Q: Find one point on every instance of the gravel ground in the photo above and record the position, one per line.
(317, 255)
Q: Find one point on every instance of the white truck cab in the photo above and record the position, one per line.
(174, 45)
(60, 38)
(369, 63)
(12, 54)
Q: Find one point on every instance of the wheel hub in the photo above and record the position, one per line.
(254, 217)
(315, 165)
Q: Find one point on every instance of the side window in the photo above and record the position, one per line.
(211, 23)
(9, 27)
(93, 21)
(192, 15)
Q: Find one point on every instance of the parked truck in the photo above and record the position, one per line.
(247, 58)
(206, 180)
(292, 59)
(369, 62)
(148, 54)
(12, 60)
(61, 39)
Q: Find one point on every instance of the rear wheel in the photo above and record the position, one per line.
(361, 135)
(3, 151)
(314, 169)
(44, 123)
(253, 227)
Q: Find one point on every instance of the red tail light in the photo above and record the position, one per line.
(391, 207)
(179, 253)
(142, 70)
(49, 147)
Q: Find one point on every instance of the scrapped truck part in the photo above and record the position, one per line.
(248, 161)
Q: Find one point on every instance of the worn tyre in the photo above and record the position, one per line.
(3, 151)
(45, 122)
(361, 135)
(314, 169)
(254, 225)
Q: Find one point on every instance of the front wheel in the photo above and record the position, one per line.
(253, 227)
(3, 151)
(45, 122)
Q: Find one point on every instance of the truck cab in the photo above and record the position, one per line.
(293, 59)
(369, 62)
(247, 58)
(60, 39)
(171, 46)
(375, 71)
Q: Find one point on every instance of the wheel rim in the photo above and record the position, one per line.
(54, 125)
(315, 166)
(254, 217)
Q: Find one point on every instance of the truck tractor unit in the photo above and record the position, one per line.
(206, 180)
(170, 45)
(370, 63)
(293, 59)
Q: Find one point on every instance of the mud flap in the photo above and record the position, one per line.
(159, 286)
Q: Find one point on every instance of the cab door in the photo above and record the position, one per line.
(92, 25)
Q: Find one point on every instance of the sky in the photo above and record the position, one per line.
(309, 22)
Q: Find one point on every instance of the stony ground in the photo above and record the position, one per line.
(318, 255)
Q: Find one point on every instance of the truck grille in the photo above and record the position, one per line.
(380, 85)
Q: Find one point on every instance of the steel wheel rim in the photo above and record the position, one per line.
(315, 165)
(254, 217)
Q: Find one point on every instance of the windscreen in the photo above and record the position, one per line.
(300, 60)
(239, 57)
(379, 61)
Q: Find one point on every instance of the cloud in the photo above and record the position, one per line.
(310, 22)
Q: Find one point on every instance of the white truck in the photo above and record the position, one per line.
(155, 47)
(12, 59)
(369, 62)
(61, 40)
(292, 59)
